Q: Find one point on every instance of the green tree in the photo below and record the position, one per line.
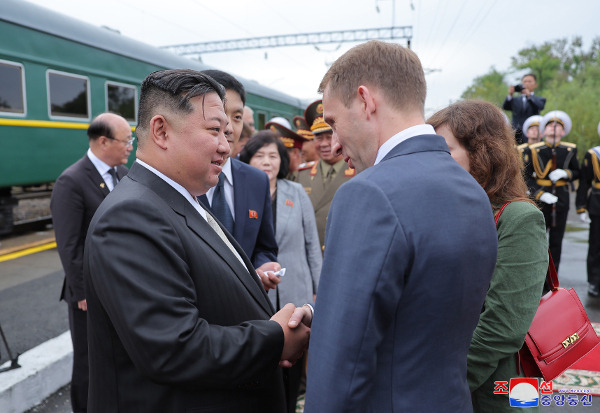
(489, 87)
(568, 76)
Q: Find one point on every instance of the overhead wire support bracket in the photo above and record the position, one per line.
(300, 39)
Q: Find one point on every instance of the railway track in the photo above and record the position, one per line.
(32, 211)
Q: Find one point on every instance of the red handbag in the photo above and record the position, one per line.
(560, 334)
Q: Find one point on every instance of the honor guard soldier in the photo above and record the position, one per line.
(552, 167)
(531, 129)
(323, 178)
(309, 151)
(588, 202)
(293, 143)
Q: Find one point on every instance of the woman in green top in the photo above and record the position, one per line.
(482, 142)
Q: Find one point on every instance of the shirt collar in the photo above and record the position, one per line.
(400, 137)
(100, 165)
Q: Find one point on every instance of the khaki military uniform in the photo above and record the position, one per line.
(320, 191)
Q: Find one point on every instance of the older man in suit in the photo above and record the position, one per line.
(409, 252)
(178, 319)
(76, 195)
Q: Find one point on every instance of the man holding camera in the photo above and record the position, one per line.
(523, 106)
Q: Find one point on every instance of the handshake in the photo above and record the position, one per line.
(295, 322)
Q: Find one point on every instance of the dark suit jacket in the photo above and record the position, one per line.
(251, 193)
(76, 195)
(533, 106)
(175, 322)
(409, 253)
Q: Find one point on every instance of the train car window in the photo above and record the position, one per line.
(12, 88)
(122, 99)
(68, 95)
(262, 119)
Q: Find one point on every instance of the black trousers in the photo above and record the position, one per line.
(593, 257)
(80, 376)
(557, 232)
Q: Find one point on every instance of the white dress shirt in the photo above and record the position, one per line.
(227, 186)
(102, 169)
(400, 137)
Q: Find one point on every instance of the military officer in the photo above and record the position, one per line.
(309, 151)
(588, 202)
(531, 130)
(323, 178)
(552, 167)
(293, 143)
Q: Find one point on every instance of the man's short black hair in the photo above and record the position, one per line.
(228, 82)
(173, 89)
(530, 74)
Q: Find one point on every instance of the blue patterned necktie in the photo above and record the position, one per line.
(220, 207)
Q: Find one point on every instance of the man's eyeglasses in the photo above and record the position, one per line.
(127, 143)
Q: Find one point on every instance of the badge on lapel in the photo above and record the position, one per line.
(252, 214)
(289, 202)
(102, 185)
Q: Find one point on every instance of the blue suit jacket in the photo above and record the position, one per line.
(409, 253)
(254, 232)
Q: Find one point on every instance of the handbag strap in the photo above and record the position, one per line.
(551, 276)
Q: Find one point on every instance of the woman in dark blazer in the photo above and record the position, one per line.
(482, 142)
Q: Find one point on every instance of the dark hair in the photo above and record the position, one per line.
(99, 127)
(530, 74)
(494, 161)
(264, 138)
(172, 90)
(228, 82)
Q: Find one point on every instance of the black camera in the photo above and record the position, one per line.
(518, 88)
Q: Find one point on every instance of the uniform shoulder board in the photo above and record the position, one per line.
(306, 165)
(350, 172)
(522, 147)
(537, 145)
(568, 144)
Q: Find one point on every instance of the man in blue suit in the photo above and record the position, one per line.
(242, 198)
(523, 106)
(410, 248)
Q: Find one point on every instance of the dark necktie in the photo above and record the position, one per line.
(220, 207)
(113, 174)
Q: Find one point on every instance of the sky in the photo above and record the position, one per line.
(456, 40)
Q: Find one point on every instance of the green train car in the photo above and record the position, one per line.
(57, 73)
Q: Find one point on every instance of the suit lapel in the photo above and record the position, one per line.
(244, 273)
(201, 228)
(239, 194)
(283, 210)
(95, 177)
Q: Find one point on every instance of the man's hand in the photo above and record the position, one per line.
(548, 198)
(82, 305)
(296, 339)
(558, 174)
(302, 315)
(511, 90)
(269, 281)
(526, 92)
